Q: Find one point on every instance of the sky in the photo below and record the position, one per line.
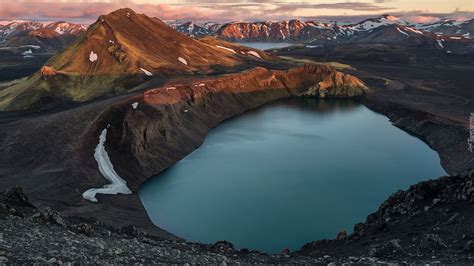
(87, 11)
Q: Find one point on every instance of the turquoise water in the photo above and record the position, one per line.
(287, 173)
(265, 45)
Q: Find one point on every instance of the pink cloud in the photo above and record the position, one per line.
(420, 19)
(87, 11)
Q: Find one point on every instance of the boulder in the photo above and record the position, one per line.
(50, 216)
(48, 72)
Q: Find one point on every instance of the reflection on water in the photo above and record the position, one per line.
(287, 173)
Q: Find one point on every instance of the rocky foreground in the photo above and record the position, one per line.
(428, 223)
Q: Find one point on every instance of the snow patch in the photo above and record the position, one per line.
(92, 57)
(135, 105)
(59, 30)
(117, 184)
(148, 73)
(182, 60)
(31, 46)
(455, 38)
(186, 110)
(372, 24)
(225, 48)
(413, 30)
(313, 46)
(171, 88)
(27, 54)
(254, 54)
(402, 32)
(440, 43)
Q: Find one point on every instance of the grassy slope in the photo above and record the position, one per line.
(124, 42)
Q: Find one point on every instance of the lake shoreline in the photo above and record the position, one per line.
(278, 159)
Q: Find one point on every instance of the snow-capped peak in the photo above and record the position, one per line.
(372, 23)
(63, 27)
(10, 28)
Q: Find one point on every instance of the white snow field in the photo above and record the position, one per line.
(117, 185)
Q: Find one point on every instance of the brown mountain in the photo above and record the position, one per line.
(262, 31)
(118, 52)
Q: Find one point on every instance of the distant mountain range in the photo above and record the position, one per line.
(197, 30)
(384, 29)
(320, 32)
(450, 27)
(46, 36)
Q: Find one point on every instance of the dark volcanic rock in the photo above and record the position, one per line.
(341, 235)
(16, 197)
(82, 228)
(49, 216)
(222, 247)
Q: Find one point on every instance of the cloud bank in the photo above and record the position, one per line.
(87, 11)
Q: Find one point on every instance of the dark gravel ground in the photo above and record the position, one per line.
(428, 223)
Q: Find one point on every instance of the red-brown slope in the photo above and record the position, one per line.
(262, 31)
(118, 52)
(125, 41)
(310, 80)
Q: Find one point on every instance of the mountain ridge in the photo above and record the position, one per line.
(306, 31)
(17, 33)
(48, 36)
(119, 51)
